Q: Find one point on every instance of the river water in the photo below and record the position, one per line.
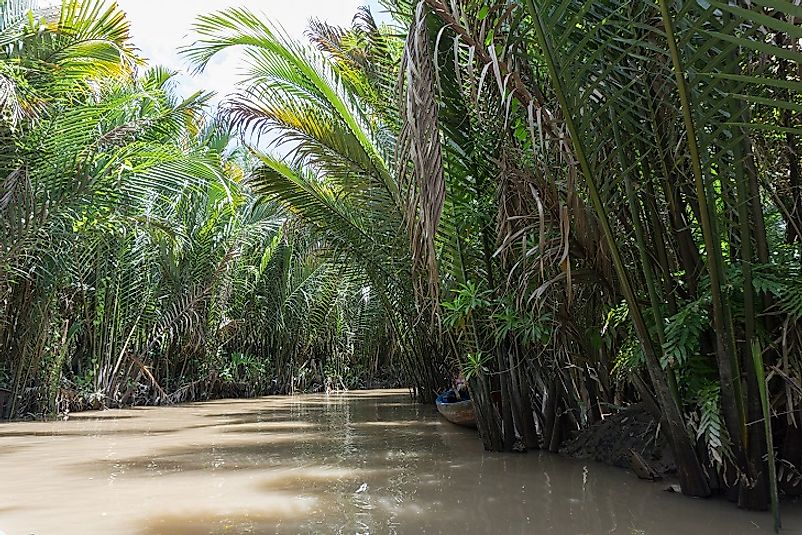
(352, 463)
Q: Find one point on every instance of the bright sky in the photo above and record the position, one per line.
(160, 27)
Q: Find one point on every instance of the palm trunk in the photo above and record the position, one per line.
(726, 355)
(691, 475)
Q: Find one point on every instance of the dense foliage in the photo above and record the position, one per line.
(574, 204)
(135, 265)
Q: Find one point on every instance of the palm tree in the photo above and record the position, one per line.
(659, 112)
(139, 267)
(336, 173)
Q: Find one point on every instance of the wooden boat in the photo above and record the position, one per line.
(457, 412)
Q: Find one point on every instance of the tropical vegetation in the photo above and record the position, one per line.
(575, 205)
(137, 266)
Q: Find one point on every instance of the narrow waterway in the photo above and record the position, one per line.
(354, 463)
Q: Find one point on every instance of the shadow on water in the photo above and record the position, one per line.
(212, 524)
(87, 433)
(265, 427)
(277, 445)
(429, 503)
(107, 415)
(256, 454)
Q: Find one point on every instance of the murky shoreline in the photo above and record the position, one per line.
(359, 462)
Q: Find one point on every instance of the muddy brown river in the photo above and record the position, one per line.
(352, 463)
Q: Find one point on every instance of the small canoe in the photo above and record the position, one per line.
(457, 412)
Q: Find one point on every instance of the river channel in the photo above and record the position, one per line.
(352, 463)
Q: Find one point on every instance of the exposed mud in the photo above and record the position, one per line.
(614, 440)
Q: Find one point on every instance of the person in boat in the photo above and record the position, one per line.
(459, 392)
(456, 406)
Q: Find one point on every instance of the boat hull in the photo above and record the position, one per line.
(460, 413)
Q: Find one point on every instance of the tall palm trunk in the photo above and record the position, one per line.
(692, 478)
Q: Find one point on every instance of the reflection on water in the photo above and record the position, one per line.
(355, 463)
